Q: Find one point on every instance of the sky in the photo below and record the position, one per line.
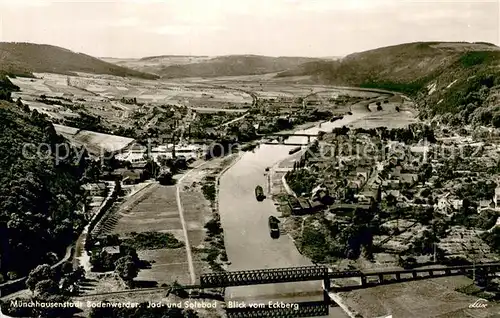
(319, 28)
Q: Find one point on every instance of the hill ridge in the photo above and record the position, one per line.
(24, 58)
(456, 79)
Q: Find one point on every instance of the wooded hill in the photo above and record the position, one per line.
(25, 58)
(453, 79)
(39, 195)
(231, 65)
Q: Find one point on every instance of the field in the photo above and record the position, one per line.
(101, 95)
(153, 63)
(152, 209)
(429, 298)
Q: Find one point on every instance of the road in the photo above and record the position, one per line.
(232, 121)
(184, 225)
(216, 110)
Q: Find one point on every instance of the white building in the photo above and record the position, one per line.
(163, 151)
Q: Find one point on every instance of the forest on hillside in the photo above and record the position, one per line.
(40, 194)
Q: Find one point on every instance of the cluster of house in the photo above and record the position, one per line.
(345, 183)
(352, 178)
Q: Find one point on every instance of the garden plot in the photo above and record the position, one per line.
(210, 110)
(467, 244)
(158, 97)
(387, 117)
(197, 213)
(153, 209)
(168, 265)
(295, 91)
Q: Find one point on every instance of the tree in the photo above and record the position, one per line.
(78, 274)
(109, 162)
(39, 195)
(126, 250)
(12, 275)
(151, 169)
(126, 269)
(69, 283)
(424, 172)
(213, 227)
(67, 268)
(111, 240)
(118, 188)
(493, 239)
(102, 262)
(391, 200)
(40, 273)
(47, 287)
(426, 216)
(92, 171)
(5, 95)
(495, 121)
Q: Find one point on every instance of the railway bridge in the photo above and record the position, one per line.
(309, 273)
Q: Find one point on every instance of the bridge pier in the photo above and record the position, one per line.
(363, 280)
(381, 278)
(431, 273)
(308, 139)
(398, 276)
(414, 274)
(326, 289)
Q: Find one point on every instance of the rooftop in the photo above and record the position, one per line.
(111, 249)
(94, 186)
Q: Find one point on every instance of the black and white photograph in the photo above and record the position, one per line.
(249, 158)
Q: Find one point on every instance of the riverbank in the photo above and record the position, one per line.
(198, 193)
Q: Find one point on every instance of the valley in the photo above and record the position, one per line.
(397, 171)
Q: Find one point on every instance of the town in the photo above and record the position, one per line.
(172, 170)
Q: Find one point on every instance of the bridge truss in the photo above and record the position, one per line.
(264, 276)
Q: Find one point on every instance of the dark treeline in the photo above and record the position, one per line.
(39, 195)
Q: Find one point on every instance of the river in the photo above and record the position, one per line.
(246, 233)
